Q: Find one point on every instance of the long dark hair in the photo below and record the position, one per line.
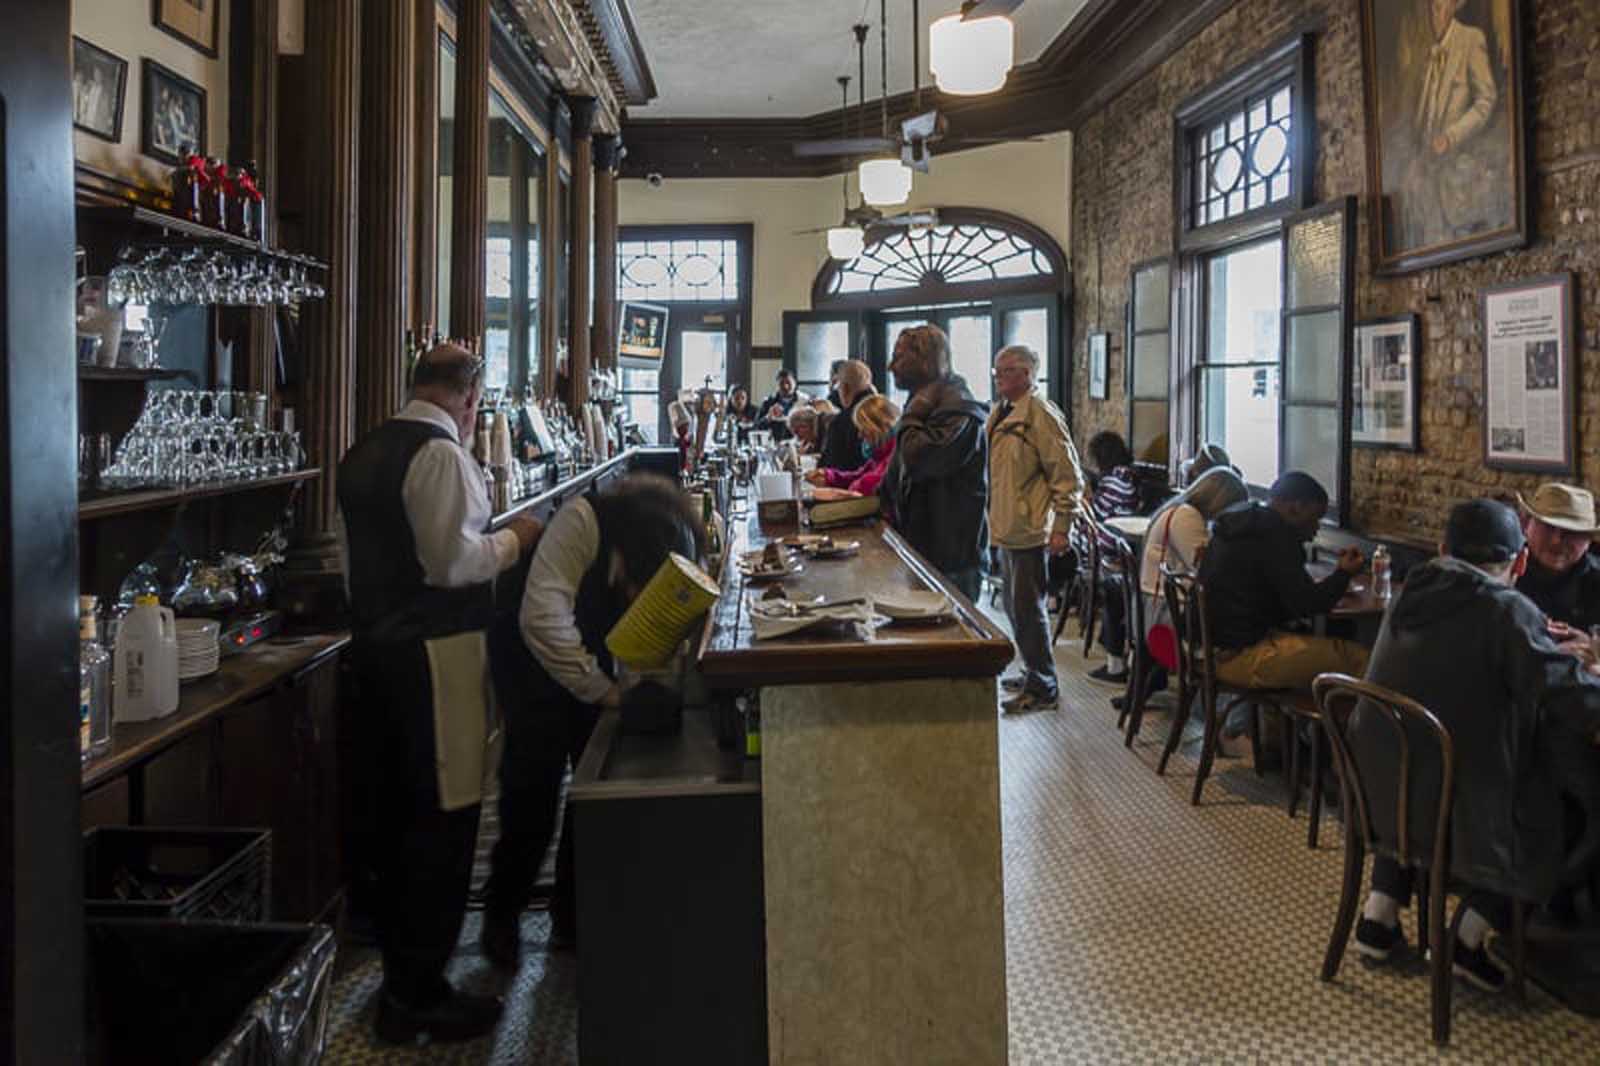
(647, 516)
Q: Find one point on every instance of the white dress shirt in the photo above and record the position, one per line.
(447, 504)
(548, 617)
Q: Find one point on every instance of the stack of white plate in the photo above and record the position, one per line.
(197, 648)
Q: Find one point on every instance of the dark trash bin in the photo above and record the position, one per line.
(223, 994)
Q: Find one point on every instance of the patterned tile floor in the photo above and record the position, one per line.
(1139, 929)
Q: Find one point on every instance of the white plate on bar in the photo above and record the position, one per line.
(914, 606)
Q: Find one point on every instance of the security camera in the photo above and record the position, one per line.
(654, 180)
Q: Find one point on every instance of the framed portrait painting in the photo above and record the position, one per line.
(1386, 383)
(1446, 141)
(99, 86)
(194, 22)
(172, 116)
(1529, 375)
(1099, 347)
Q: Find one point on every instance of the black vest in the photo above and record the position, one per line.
(389, 603)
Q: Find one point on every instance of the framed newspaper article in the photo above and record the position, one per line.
(1386, 383)
(1530, 394)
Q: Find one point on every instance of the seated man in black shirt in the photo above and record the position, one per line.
(1563, 579)
(1254, 572)
(1520, 712)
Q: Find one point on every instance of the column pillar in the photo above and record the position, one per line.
(425, 172)
(607, 158)
(332, 96)
(550, 253)
(469, 185)
(578, 286)
(263, 148)
(388, 49)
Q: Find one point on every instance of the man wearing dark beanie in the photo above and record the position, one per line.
(1521, 712)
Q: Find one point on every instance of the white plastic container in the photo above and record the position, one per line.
(146, 663)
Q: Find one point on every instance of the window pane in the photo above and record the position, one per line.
(1239, 409)
(645, 412)
(1030, 326)
(705, 356)
(1316, 259)
(1149, 428)
(1311, 443)
(635, 379)
(1152, 298)
(1150, 366)
(970, 336)
(1313, 357)
(1244, 302)
(817, 345)
(442, 188)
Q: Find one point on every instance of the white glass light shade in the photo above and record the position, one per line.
(846, 242)
(884, 182)
(973, 57)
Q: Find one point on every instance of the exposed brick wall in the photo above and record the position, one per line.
(1122, 209)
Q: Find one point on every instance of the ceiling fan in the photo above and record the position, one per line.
(921, 131)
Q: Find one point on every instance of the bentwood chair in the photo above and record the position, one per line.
(1126, 560)
(1197, 676)
(1084, 596)
(1410, 726)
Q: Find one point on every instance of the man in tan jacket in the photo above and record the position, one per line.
(1034, 495)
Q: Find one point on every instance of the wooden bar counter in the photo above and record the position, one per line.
(880, 798)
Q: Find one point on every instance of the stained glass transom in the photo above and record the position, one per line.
(1244, 160)
(668, 271)
(948, 255)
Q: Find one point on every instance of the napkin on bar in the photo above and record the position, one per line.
(779, 618)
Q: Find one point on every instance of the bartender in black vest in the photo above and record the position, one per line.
(420, 564)
(553, 674)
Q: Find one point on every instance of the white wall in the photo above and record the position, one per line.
(1029, 179)
(124, 28)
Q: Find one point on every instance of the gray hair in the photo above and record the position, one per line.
(1019, 351)
(800, 414)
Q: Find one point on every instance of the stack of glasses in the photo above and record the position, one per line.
(186, 437)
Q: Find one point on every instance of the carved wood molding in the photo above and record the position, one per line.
(1108, 47)
(568, 38)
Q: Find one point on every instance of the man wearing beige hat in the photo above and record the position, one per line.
(1563, 578)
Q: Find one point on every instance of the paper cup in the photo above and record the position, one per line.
(652, 628)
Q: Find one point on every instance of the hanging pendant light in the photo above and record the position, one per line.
(970, 57)
(884, 182)
(846, 242)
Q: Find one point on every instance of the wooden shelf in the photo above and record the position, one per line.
(152, 499)
(182, 227)
(128, 373)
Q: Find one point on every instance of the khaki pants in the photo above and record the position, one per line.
(1291, 661)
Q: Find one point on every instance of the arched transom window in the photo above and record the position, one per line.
(969, 253)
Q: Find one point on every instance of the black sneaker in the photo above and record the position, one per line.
(1476, 968)
(1014, 682)
(1101, 673)
(456, 1018)
(1377, 941)
(501, 939)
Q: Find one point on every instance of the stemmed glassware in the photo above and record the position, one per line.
(186, 437)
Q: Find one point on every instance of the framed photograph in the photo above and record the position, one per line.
(1099, 346)
(99, 86)
(173, 114)
(1446, 146)
(1386, 383)
(1529, 386)
(194, 22)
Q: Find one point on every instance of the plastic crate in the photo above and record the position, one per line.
(219, 875)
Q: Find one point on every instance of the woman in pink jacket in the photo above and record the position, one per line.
(874, 417)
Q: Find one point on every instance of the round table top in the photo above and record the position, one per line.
(1130, 525)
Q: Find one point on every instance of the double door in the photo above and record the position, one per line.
(814, 339)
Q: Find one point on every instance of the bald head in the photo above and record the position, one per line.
(451, 378)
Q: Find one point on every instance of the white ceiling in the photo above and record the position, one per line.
(780, 58)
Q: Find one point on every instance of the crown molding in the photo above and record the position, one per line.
(1108, 47)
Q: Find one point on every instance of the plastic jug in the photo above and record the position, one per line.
(146, 663)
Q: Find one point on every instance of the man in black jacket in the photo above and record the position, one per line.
(1521, 714)
(937, 485)
(841, 446)
(1254, 572)
(1563, 578)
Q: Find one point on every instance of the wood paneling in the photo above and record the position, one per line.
(388, 57)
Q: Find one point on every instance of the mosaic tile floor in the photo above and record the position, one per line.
(1139, 929)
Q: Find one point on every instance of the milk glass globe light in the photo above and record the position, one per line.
(885, 182)
(972, 57)
(846, 242)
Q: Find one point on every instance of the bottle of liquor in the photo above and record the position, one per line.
(94, 684)
(189, 182)
(214, 202)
